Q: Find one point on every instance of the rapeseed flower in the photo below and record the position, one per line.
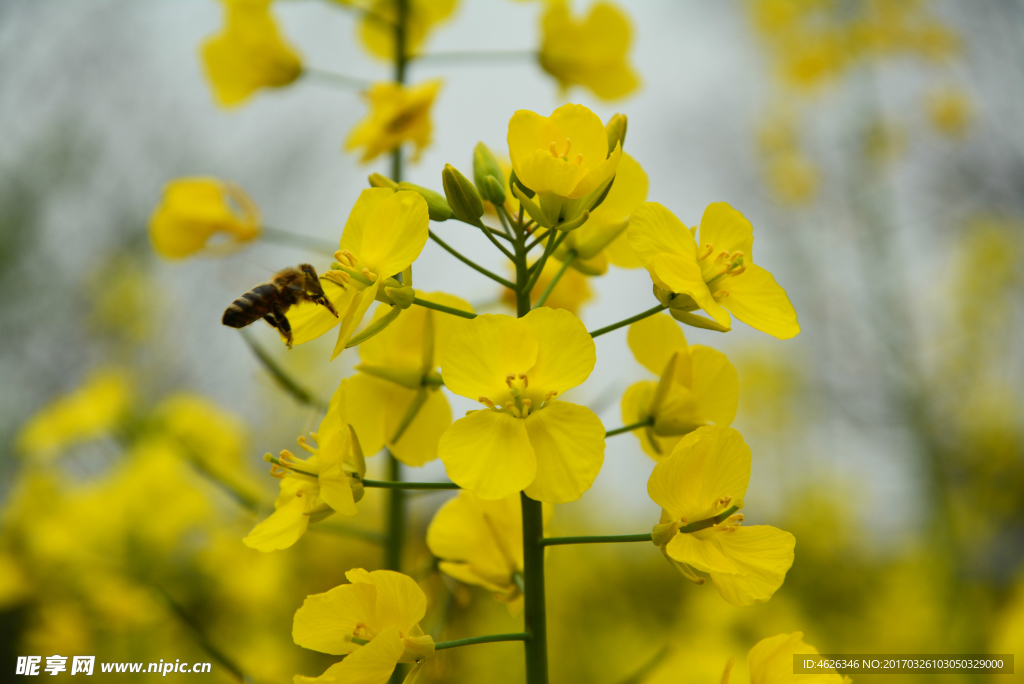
(384, 234)
(591, 52)
(329, 481)
(195, 210)
(398, 114)
(713, 271)
(563, 158)
(526, 439)
(771, 661)
(698, 487)
(395, 399)
(697, 386)
(376, 28)
(950, 112)
(373, 622)
(248, 54)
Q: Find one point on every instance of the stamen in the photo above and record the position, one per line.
(724, 254)
(554, 149)
(548, 397)
(526, 407)
(304, 443)
(568, 146)
(511, 407)
(579, 159)
(526, 380)
(509, 379)
(339, 277)
(372, 277)
(706, 252)
(488, 403)
(738, 270)
(352, 257)
(721, 294)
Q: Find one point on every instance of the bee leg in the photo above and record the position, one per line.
(282, 324)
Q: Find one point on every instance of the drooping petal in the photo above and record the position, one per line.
(700, 554)
(488, 453)
(481, 541)
(726, 229)
(488, 349)
(369, 664)
(709, 463)
(569, 443)
(763, 555)
(716, 385)
(757, 300)
(326, 622)
(566, 353)
(366, 404)
(281, 529)
(653, 341)
(771, 662)
(655, 230)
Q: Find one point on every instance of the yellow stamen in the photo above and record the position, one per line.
(526, 407)
(511, 407)
(706, 252)
(304, 443)
(579, 159)
(488, 403)
(372, 277)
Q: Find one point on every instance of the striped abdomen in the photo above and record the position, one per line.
(250, 307)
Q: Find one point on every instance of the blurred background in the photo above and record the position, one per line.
(875, 146)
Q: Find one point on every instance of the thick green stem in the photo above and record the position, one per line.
(441, 307)
(631, 319)
(535, 609)
(475, 56)
(488, 639)
(396, 518)
(472, 264)
(630, 427)
(385, 484)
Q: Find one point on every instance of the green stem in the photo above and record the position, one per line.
(632, 319)
(200, 636)
(570, 257)
(630, 427)
(284, 237)
(540, 239)
(490, 236)
(395, 484)
(605, 539)
(298, 392)
(535, 609)
(395, 540)
(441, 307)
(472, 264)
(335, 78)
(473, 56)
(488, 639)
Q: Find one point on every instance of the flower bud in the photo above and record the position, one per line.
(486, 166)
(378, 180)
(616, 130)
(463, 198)
(437, 206)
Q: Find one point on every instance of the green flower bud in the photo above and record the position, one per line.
(486, 166)
(616, 130)
(465, 201)
(437, 206)
(495, 192)
(378, 180)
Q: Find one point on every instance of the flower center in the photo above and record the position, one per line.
(518, 406)
(717, 266)
(289, 465)
(346, 270)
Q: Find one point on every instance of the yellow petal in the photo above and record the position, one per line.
(763, 555)
(569, 443)
(309, 321)
(481, 541)
(401, 344)
(608, 220)
(598, 174)
(470, 574)
(716, 385)
(585, 129)
(357, 226)
(400, 601)
(193, 211)
(488, 453)
(394, 234)
(636, 402)
(682, 275)
(655, 230)
(352, 315)
(771, 662)
(654, 340)
(566, 352)
(369, 664)
(325, 622)
(620, 254)
(418, 444)
(709, 463)
(757, 300)
(679, 414)
(281, 529)
(726, 229)
(488, 349)
(700, 554)
(366, 404)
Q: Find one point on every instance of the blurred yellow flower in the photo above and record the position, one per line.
(950, 111)
(480, 542)
(329, 481)
(194, 210)
(697, 386)
(602, 239)
(591, 52)
(715, 274)
(384, 234)
(373, 622)
(397, 387)
(771, 662)
(376, 28)
(248, 54)
(562, 157)
(93, 410)
(793, 178)
(525, 439)
(398, 114)
(704, 479)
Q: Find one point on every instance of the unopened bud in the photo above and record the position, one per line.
(437, 205)
(495, 192)
(378, 180)
(616, 130)
(486, 166)
(463, 198)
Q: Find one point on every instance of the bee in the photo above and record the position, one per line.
(270, 301)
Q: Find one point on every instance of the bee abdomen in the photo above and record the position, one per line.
(250, 307)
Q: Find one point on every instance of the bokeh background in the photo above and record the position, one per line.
(886, 187)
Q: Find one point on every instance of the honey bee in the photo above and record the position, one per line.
(270, 301)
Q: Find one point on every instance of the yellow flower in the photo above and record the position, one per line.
(395, 399)
(714, 274)
(771, 662)
(703, 481)
(398, 114)
(376, 29)
(571, 292)
(480, 542)
(697, 386)
(329, 481)
(194, 210)
(384, 234)
(93, 410)
(525, 439)
(373, 622)
(562, 157)
(248, 54)
(793, 178)
(950, 112)
(591, 52)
